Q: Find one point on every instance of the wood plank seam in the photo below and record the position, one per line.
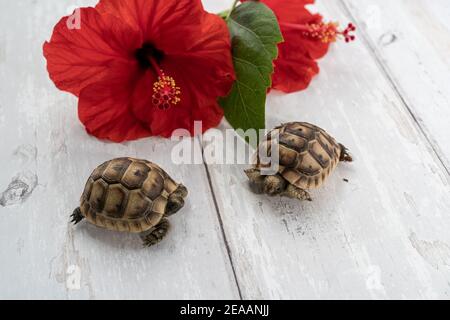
(444, 162)
(222, 229)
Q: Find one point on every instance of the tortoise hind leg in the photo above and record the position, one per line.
(296, 193)
(77, 216)
(345, 154)
(157, 234)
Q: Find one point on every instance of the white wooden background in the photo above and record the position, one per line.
(384, 234)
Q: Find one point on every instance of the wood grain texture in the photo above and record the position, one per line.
(46, 157)
(384, 234)
(411, 42)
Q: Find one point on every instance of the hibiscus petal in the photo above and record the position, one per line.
(295, 74)
(196, 99)
(104, 106)
(313, 48)
(208, 62)
(154, 16)
(295, 44)
(196, 52)
(134, 12)
(289, 11)
(296, 66)
(79, 57)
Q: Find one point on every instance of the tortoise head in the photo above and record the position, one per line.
(176, 200)
(274, 185)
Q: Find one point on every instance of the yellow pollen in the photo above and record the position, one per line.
(165, 92)
(326, 33)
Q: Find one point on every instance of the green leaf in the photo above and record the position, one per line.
(255, 34)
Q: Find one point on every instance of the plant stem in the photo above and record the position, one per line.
(224, 14)
(232, 9)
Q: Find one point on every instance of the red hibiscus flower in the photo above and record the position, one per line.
(307, 38)
(143, 67)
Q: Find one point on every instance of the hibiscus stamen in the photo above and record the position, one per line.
(166, 94)
(346, 33)
(324, 32)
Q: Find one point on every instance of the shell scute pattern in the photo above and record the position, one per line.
(98, 195)
(135, 175)
(308, 154)
(138, 205)
(154, 185)
(127, 195)
(87, 189)
(293, 142)
(98, 172)
(116, 200)
(115, 170)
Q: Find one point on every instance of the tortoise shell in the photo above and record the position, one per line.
(126, 194)
(308, 154)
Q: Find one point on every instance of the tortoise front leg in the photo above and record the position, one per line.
(296, 193)
(256, 180)
(77, 216)
(157, 234)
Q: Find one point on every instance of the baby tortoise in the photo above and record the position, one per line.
(308, 155)
(131, 195)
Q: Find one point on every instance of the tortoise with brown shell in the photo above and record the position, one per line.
(131, 195)
(307, 157)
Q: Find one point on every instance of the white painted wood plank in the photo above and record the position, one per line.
(381, 235)
(411, 39)
(384, 234)
(44, 146)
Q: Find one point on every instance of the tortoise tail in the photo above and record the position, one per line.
(76, 216)
(345, 154)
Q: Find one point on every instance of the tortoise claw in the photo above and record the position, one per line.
(76, 216)
(157, 235)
